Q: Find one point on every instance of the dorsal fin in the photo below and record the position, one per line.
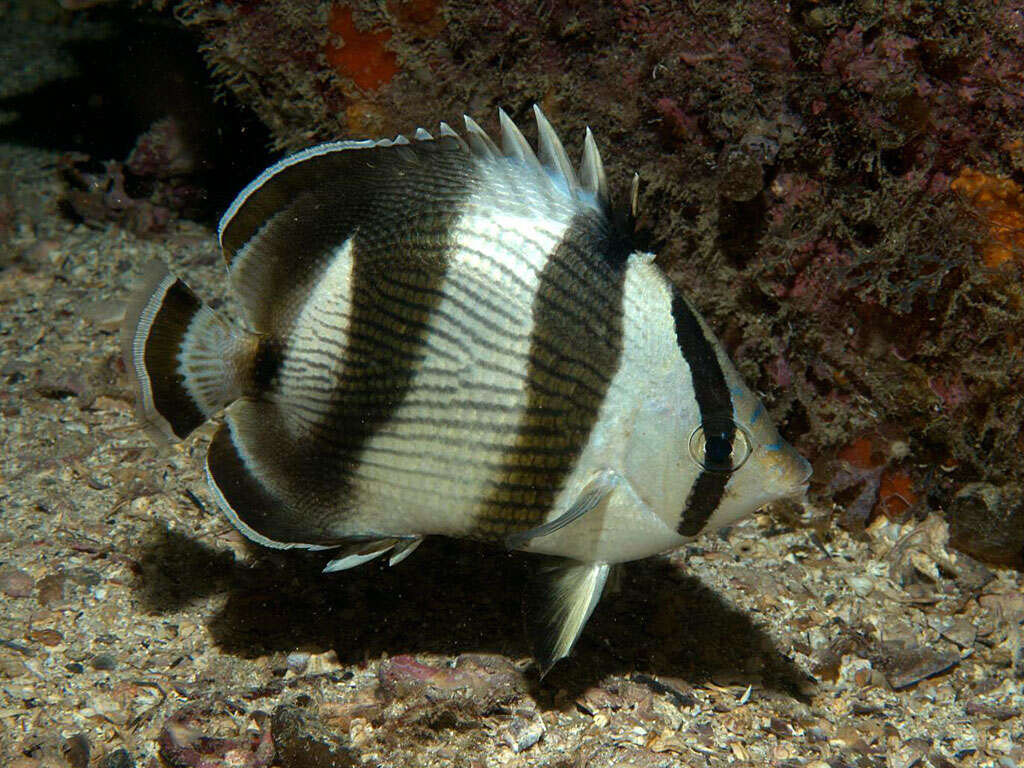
(284, 227)
(553, 158)
(592, 176)
(479, 142)
(515, 144)
(552, 153)
(276, 237)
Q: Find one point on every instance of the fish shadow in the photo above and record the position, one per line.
(454, 597)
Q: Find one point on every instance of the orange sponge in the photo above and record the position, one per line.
(1001, 202)
(362, 56)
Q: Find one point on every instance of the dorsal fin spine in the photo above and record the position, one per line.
(443, 129)
(479, 141)
(592, 176)
(515, 144)
(552, 153)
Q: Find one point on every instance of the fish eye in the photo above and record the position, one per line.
(719, 445)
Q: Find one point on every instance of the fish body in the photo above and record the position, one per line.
(444, 337)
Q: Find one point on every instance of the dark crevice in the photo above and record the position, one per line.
(144, 68)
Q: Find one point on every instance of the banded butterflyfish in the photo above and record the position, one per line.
(444, 336)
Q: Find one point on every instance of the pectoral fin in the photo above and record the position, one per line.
(593, 493)
(565, 594)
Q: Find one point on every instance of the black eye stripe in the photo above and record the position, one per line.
(718, 449)
(713, 400)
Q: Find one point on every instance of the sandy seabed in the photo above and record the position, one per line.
(136, 625)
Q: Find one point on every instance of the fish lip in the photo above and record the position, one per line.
(805, 481)
(799, 490)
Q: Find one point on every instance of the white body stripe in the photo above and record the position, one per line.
(317, 334)
(637, 436)
(499, 252)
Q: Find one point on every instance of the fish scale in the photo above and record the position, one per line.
(441, 337)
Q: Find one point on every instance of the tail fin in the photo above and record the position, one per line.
(186, 359)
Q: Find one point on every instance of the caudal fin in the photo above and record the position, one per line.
(186, 359)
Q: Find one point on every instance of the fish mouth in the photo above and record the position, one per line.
(798, 491)
(797, 488)
(806, 470)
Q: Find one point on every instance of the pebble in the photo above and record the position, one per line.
(301, 740)
(525, 730)
(51, 589)
(103, 662)
(86, 577)
(297, 662)
(15, 583)
(995, 711)
(76, 751)
(987, 521)
(906, 665)
(119, 758)
(11, 666)
(47, 637)
(861, 585)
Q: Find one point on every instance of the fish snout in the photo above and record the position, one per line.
(789, 471)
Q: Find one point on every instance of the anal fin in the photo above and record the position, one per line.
(246, 470)
(365, 551)
(357, 554)
(565, 595)
(403, 549)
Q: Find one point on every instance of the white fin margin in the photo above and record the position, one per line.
(316, 151)
(248, 531)
(147, 297)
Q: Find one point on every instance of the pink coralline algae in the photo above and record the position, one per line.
(866, 66)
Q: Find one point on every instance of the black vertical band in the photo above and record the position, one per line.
(713, 400)
(164, 344)
(575, 350)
